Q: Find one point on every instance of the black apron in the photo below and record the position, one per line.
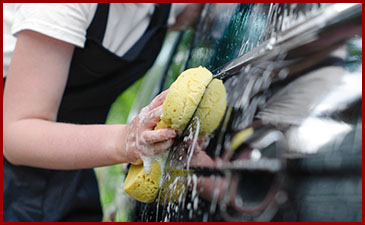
(96, 77)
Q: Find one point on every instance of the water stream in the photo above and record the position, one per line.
(225, 32)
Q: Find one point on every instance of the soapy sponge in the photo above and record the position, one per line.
(212, 107)
(175, 186)
(192, 87)
(183, 98)
(141, 185)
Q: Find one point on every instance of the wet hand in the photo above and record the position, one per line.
(141, 138)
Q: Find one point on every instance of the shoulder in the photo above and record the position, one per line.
(64, 21)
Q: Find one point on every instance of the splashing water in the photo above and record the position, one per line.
(247, 93)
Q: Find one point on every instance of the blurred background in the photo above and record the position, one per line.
(293, 74)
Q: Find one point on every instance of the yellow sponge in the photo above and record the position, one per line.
(192, 87)
(142, 186)
(174, 187)
(212, 107)
(183, 98)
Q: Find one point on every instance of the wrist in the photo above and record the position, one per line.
(125, 148)
(119, 150)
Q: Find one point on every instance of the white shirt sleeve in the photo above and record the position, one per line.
(9, 40)
(63, 21)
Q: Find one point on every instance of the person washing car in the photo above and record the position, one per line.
(64, 66)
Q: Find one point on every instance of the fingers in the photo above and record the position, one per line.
(153, 136)
(153, 117)
(150, 115)
(162, 146)
(158, 100)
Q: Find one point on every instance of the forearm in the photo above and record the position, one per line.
(46, 144)
(34, 88)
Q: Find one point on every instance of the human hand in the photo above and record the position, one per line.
(141, 138)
